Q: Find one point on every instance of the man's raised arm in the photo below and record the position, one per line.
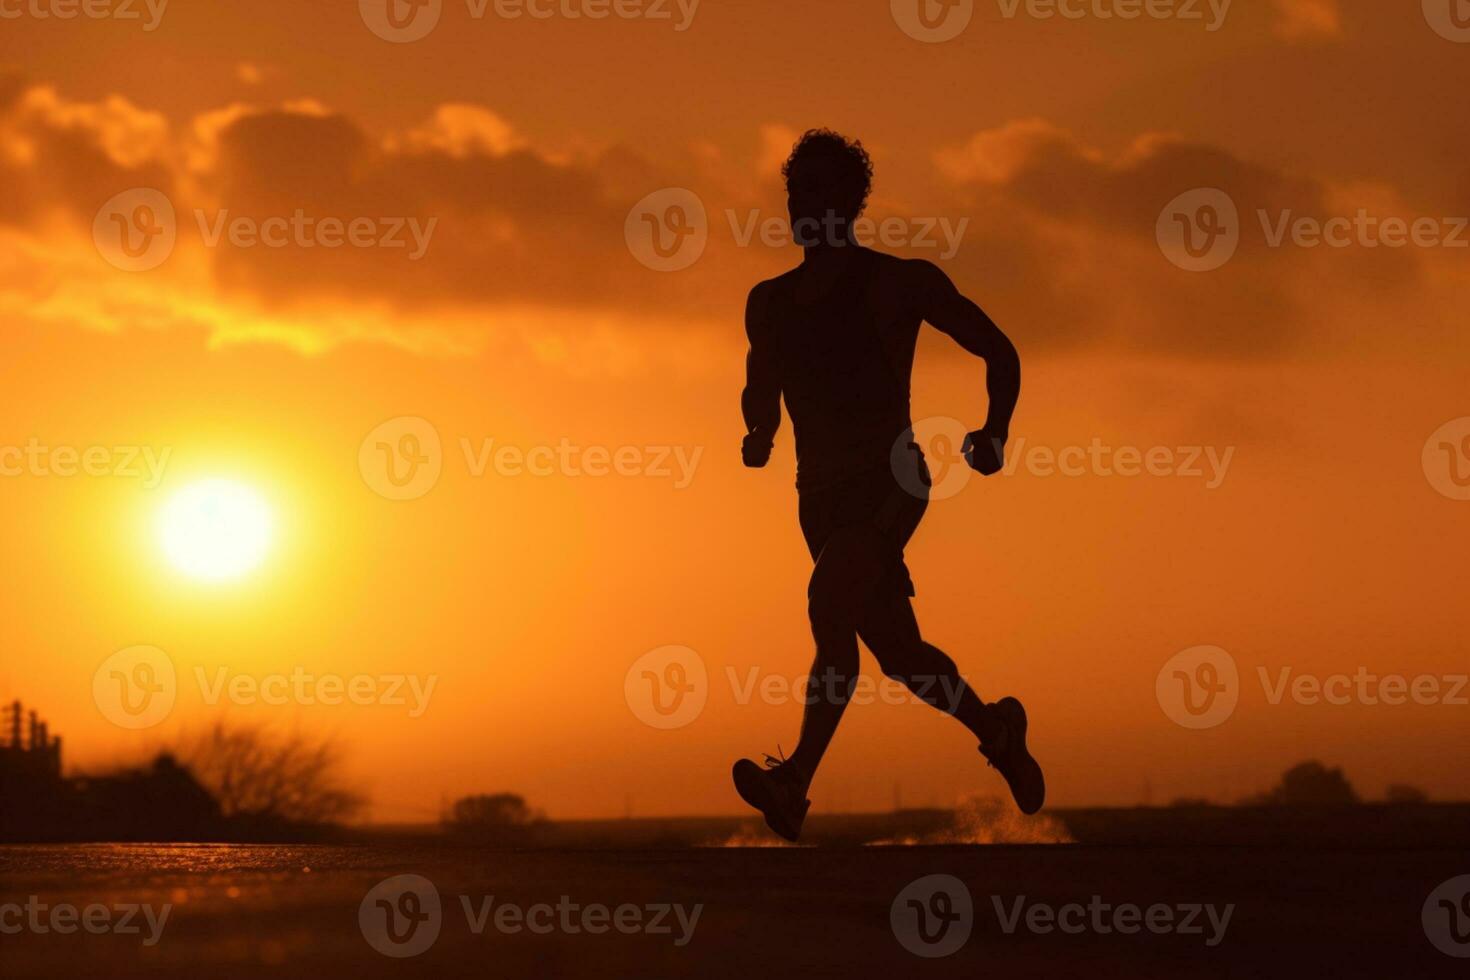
(951, 313)
(761, 399)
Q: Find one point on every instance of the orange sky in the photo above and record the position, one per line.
(1323, 547)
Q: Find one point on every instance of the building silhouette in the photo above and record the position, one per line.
(27, 749)
(158, 802)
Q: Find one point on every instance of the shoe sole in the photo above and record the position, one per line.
(751, 785)
(1028, 761)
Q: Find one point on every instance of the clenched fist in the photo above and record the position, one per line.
(985, 451)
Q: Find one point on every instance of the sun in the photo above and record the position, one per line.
(215, 530)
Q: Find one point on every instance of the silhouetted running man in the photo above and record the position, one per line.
(835, 336)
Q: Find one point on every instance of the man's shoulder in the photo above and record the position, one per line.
(767, 287)
(913, 271)
(901, 271)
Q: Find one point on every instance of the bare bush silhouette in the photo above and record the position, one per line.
(1309, 784)
(494, 816)
(260, 775)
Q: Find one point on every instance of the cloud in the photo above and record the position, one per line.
(1067, 241)
(60, 153)
(1058, 235)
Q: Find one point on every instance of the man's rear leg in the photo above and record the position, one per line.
(891, 631)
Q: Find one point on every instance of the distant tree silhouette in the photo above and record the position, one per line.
(494, 816)
(1403, 794)
(1309, 784)
(261, 776)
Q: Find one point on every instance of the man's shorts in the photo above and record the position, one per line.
(877, 498)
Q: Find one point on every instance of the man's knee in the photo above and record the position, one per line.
(925, 670)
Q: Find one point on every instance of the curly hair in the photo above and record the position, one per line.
(853, 166)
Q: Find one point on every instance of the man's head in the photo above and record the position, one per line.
(828, 178)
